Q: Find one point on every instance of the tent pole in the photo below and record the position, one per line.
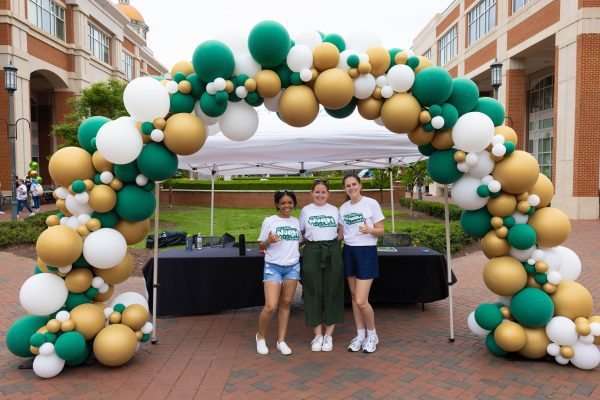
(391, 171)
(155, 271)
(212, 199)
(449, 260)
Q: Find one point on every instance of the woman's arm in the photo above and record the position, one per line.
(340, 232)
(377, 230)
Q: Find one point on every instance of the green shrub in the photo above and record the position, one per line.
(434, 209)
(294, 183)
(23, 231)
(434, 236)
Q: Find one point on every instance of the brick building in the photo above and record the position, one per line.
(550, 51)
(60, 47)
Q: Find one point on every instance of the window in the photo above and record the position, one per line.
(518, 4)
(541, 149)
(481, 19)
(99, 44)
(127, 65)
(541, 96)
(448, 45)
(427, 54)
(48, 16)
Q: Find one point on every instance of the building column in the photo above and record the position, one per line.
(516, 100)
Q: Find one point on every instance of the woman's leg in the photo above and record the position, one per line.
(19, 206)
(26, 202)
(329, 329)
(272, 292)
(285, 300)
(358, 319)
(361, 298)
(36, 202)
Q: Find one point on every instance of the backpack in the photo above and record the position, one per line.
(39, 190)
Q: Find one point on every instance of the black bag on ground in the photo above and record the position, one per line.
(167, 238)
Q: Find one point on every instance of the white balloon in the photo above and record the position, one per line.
(494, 186)
(552, 258)
(498, 150)
(141, 180)
(520, 218)
(474, 327)
(129, 298)
(498, 139)
(146, 99)
(438, 122)
(310, 38)
(587, 339)
(210, 88)
(104, 288)
(212, 130)
(104, 248)
(205, 118)
(82, 198)
(172, 87)
(533, 200)
(272, 103)
(485, 180)
(241, 92)
(76, 208)
(220, 84)
(554, 277)
(462, 167)
(239, 122)
(120, 141)
(108, 311)
(65, 269)
(299, 57)
(157, 135)
(361, 40)
(561, 330)
(505, 300)
(586, 356)
(83, 218)
(147, 328)
(473, 132)
(381, 80)
(64, 220)
(97, 282)
(343, 63)
(61, 192)
(364, 86)
(236, 40)
(306, 75)
(387, 92)
(72, 222)
(43, 294)
(483, 166)
(46, 349)
(464, 193)
(595, 327)
(48, 366)
(537, 255)
(106, 177)
(521, 255)
(553, 349)
(63, 315)
(401, 77)
(561, 360)
(245, 64)
(570, 264)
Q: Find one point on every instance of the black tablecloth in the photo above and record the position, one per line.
(215, 279)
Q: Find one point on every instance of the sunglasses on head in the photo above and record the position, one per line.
(321, 181)
(285, 191)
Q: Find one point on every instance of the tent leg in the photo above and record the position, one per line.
(155, 271)
(212, 200)
(449, 260)
(392, 200)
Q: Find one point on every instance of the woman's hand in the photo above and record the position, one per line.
(272, 238)
(364, 228)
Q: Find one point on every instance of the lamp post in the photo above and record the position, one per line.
(10, 84)
(496, 68)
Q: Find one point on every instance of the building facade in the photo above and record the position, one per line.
(60, 47)
(550, 51)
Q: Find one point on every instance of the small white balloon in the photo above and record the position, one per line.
(82, 198)
(66, 269)
(241, 92)
(61, 192)
(157, 135)
(494, 186)
(64, 220)
(364, 86)
(462, 167)
(97, 282)
(104, 248)
(220, 84)
(464, 193)
(272, 103)
(483, 166)
(531, 261)
(554, 277)
(562, 331)
(401, 78)
(553, 349)
(520, 218)
(498, 139)
(84, 218)
(104, 288)
(147, 328)
(306, 75)
(587, 339)
(299, 57)
(438, 122)
(246, 65)
(381, 80)
(471, 159)
(108, 311)
(538, 255)
(210, 88)
(172, 87)
(146, 99)
(533, 200)
(63, 315)
(561, 360)
(106, 177)
(119, 141)
(343, 63)
(73, 222)
(75, 207)
(473, 132)
(486, 179)
(474, 327)
(141, 179)
(498, 150)
(205, 118)
(43, 294)
(46, 349)
(586, 355)
(595, 327)
(387, 92)
(48, 366)
(521, 255)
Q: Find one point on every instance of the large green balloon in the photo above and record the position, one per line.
(108, 219)
(182, 103)
(88, 130)
(492, 108)
(127, 172)
(76, 299)
(210, 106)
(476, 223)
(492, 346)
(488, 316)
(269, 43)
(521, 236)
(345, 111)
(134, 203)
(441, 165)
(285, 75)
(157, 162)
(532, 307)
(198, 87)
(336, 40)
(83, 356)
(432, 85)
(465, 95)
(450, 115)
(426, 149)
(70, 346)
(213, 59)
(18, 335)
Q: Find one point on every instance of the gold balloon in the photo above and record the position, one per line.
(425, 117)
(79, 280)
(88, 319)
(334, 88)
(182, 66)
(400, 113)
(379, 58)
(62, 207)
(364, 67)
(133, 232)
(146, 138)
(517, 172)
(82, 230)
(100, 163)
(67, 326)
(353, 72)
(549, 288)
(59, 246)
(544, 189)
(134, 316)
(89, 184)
(377, 93)
(139, 335)
(503, 205)
(572, 300)
(53, 326)
(43, 267)
(536, 344)
(32, 173)
(424, 63)
(370, 108)
(504, 276)
(505, 311)
(493, 246)
(119, 273)
(420, 136)
(115, 345)
(250, 84)
(184, 134)
(298, 105)
(229, 86)
(551, 226)
(497, 222)
(52, 220)
(532, 283)
(315, 74)
(93, 224)
(114, 317)
(502, 232)
(159, 123)
(582, 325)
(510, 336)
(401, 58)
(541, 266)
(509, 134)
(442, 140)
(102, 198)
(34, 350)
(107, 295)
(70, 164)
(523, 197)
(567, 351)
(268, 83)
(460, 156)
(523, 207)
(116, 183)
(325, 56)
(184, 87)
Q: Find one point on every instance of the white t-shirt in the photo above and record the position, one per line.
(286, 252)
(352, 216)
(319, 222)
(22, 192)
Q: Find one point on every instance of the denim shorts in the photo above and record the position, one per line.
(280, 273)
(361, 261)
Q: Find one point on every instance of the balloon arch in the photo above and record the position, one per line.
(105, 193)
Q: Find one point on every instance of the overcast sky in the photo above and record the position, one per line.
(178, 26)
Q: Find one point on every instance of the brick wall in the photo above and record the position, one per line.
(484, 55)
(152, 71)
(453, 71)
(468, 4)
(4, 141)
(45, 52)
(129, 46)
(69, 24)
(540, 20)
(587, 103)
(448, 21)
(516, 103)
(5, 34)
(582, 3)
(4, 4)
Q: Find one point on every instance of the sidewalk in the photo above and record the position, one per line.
(213, 356)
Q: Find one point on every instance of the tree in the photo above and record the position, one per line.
(415, 174)
(101, 99)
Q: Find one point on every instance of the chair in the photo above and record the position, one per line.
(396, 240)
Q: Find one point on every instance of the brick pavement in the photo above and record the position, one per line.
(213, 356)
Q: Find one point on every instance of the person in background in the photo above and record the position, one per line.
(280, 237)
(1, 200)
(322, 267)
(37, 191)
(362, 222)
(22, 198)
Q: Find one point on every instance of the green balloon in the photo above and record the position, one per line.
(426, 149)
(432, 85)
(145, 337)
(213, 59)
(345, 111)
(127, 172)
(134, 203)
(221, 97)
(147, 128)
(509, 146)
(149, 186)
(119, 307)
(254, 101)
(441, 165)
(336, 40)
(70, 346)
(435, 110)
(413, 62)
(210, 106)
(488, 316)
(108, 219)
(76, 299)
(529, 268)
(393, 53)
(50, 337)
(37, 339)
(269, 43)
(532, 307)
(233, 97)
(509, 222)
(179, 76)
(182, 103)
(198, 87)
(83, 356)
(521, 236)
(88, 131)
(465, 95)
(450, 115)
(20, 332)
(78, 186)
(483, 191)
(157, 162)
(241, 79)
(492, 108)
(33, 165)
(540, 278)
(353, 60)
(295, 78)
(492, 346)
(476, 223)
(285, 74)
(37, 270)
(92, 292)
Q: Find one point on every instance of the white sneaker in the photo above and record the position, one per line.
(284, 348)
(261, 346)
(370, 345)
(31, 214)
(356, 344)
(327, 343)
(316, 343)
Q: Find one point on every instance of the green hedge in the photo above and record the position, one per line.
(434, 209)
(23, 231)
(256, 184)
(434, 236)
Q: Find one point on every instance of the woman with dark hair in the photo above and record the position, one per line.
(322, 267)
(280, 237)
(362, 222)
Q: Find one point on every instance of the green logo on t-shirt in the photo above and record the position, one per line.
(322, 221)
(287, 233)
(354, 218)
